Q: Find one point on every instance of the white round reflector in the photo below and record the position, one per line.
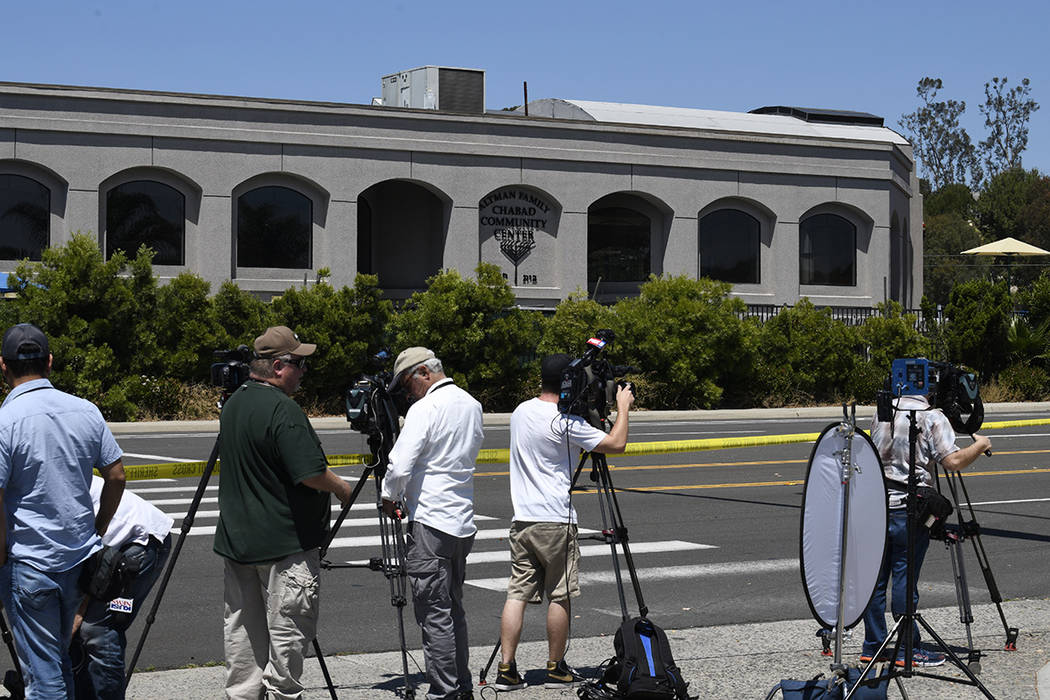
(822, 548)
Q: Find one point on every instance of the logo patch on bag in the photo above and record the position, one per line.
(124, 605)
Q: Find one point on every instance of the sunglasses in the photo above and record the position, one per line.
(299, 362)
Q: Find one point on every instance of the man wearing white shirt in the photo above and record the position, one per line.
(431, 472)
(143, 532)
(544, 446)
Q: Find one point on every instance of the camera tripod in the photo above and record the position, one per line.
(614, 532)
(902, 628)
(954, 536)
(391, 562)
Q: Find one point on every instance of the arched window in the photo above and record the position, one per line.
(618, 245)
(729, 246)
(274, 228)
(146, 212)
(827, 251)
(25, 218)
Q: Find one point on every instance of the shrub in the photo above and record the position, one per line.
(687, 339)
(887, 336)
(486, 343)
(804, 355)
(97, 318)
(1023, 382)
(348, 327)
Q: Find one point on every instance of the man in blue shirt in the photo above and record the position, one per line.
(49, 443)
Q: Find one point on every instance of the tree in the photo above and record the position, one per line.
(945, 236)
(979, 315)
(942, 146)
(1006, 114)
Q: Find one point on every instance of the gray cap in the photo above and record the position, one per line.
(408, 360)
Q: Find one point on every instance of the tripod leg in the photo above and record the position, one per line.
(324, 669)
(952, 655)
(16, 685)
(488, 664)
(986, 569)
(187, 523)
(962, 596)
(346, 509)
(620, 536)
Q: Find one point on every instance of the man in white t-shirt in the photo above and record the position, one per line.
(544, 449)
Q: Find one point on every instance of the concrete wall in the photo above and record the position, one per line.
(426, 172)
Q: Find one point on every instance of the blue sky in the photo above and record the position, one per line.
(736, 56)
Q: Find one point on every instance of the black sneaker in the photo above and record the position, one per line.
(509, 678)
(559, 675)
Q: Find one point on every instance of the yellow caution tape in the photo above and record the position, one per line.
(178, 470)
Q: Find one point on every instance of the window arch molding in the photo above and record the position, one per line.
(757, 211)
(56, 188)
(317, 197)
(642, 204)
(862, 226)
(191, 194)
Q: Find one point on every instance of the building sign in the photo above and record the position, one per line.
(512, 223)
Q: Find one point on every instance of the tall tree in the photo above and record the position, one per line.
(943, 147)
(1006, 113)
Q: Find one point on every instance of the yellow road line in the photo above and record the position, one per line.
(502, 455)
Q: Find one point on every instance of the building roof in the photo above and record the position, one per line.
(791, 124)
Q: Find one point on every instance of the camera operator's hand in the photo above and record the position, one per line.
(624, 397)
(962, 458)
(393, 509)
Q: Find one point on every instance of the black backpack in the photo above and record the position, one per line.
(645, 668)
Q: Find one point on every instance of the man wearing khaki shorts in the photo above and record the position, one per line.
(544, 446)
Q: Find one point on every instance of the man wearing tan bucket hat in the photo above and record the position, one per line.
(431, 473)
(274, 511)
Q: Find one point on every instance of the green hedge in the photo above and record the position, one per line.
(135, 347)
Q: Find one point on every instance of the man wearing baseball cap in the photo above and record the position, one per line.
(431, 472)
(50, 442)
(274, 513)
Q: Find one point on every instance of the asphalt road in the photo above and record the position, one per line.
(714, 536)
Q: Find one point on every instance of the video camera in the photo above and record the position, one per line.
(588, 384)
(230, 368)
(952, 389)
(372, 408)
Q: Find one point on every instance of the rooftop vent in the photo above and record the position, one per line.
(823, 116)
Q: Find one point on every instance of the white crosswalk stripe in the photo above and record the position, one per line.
(491, 553)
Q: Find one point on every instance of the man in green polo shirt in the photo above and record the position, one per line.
(274, 511)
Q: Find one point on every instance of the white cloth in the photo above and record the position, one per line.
(432, 463)
(135, 520)
(544, 450)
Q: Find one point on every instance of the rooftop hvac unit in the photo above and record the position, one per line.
(436, 87)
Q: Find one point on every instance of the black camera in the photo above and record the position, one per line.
(230, 368)
(588, 384)
(372, 408)
(952, 389)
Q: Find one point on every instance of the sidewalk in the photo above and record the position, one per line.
(741, 661)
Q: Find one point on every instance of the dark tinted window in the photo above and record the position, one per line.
(729, 246)
(25, 217)
(149, 213)
(827, 251)
(617, 246)
(274, 228)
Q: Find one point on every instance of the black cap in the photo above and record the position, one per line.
(551, 369)
(24, 342)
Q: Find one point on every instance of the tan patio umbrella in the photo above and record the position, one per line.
(1008, 248)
